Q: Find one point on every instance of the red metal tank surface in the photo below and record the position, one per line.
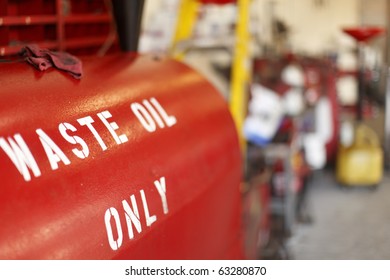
(137, 160)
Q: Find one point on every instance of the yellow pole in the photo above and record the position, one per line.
(188, 13)
(241, 73)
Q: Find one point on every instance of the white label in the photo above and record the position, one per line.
(151, 114)
(132, 216)
(169, 120)
(162, 189)
(144, 117)
(149, 219)
(53, 152)
(88, 122)
(84, 152)
(114, 244)
(20, 155)
(112, 126)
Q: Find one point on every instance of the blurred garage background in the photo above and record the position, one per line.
(307, 84)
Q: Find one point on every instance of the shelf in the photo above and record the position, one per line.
(27, 20)
(53, 24)
(87, 18)
(85, 42)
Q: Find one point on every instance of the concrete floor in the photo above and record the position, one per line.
(351, 224)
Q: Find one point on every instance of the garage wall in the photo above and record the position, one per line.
(314, 24)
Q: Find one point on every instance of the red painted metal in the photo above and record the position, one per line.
(73, 211)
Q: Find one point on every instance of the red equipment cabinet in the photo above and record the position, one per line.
(137, 160)
(82, 27)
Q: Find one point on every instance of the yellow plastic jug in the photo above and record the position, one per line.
(360, 164)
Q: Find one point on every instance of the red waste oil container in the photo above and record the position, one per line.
(137, 160)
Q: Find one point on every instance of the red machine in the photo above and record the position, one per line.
(137, 160)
